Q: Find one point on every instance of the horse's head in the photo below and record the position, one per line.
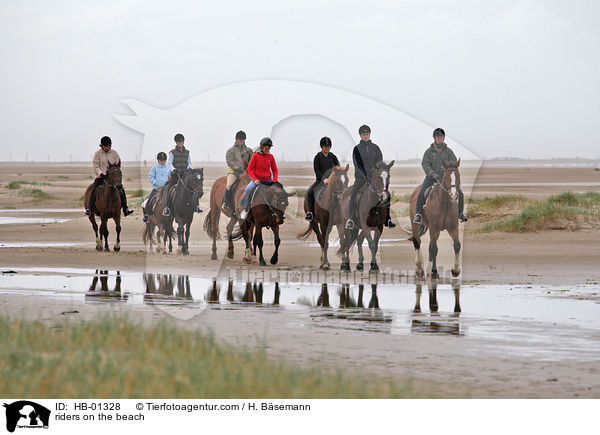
(194, 180)
(451, 178)
(380, 181)
(114, 176)
(338, 180)
(278, 201)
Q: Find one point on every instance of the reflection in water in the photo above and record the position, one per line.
(104, 291)
(159, 285)
(435, 323)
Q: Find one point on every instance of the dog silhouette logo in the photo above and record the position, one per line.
(26, 414)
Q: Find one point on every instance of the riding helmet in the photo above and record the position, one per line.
(105, 141)
(364, 129)
(179, 137)
(439, 132)
(266, 141)
(161, 156)
(240, 135)
(325, 142)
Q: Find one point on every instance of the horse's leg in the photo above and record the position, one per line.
(186, 250)
(454, 235)
(258, 241)
(230, 226)
(104, 233)
(361, 258)
(277, 241)
(118, 229)
(324, 260)
(92, 219)
(433, 250)
(374, 245)
(180, 229)
(246, 235)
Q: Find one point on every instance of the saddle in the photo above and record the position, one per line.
(319, 190)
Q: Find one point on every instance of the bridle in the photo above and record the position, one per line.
(194, 192)
(380, 192)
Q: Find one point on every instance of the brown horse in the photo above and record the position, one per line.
(107, 206)
(441, 213)
(211, 222)
(328, 212)
(267, 209)
(372, 212)
(162, 224)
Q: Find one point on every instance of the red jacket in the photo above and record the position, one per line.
(260, 167)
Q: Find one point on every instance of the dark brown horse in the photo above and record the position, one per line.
(441, 213)
(107, 206)
(184, 198)
(162, 224)
(211, 222)
(267, 209)
(328, 211)
(372, 212)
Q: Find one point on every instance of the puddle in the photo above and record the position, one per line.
(545, 322)
(37, 215)
(27, 220)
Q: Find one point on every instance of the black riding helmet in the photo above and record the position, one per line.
(161, 156)
(325, 142)
(439, 132)
(364, 129)
(266, 141)
(179, 137)
(105, 141)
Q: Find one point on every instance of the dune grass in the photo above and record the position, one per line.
(114, 358)
(17, 184)
(566, 211)
(36, 194)
(138, 193)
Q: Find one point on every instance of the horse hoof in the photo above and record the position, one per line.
(229, 255)
(213, 257)
(434, 274)
(455, 273)
(247, 260)
(360, 266)
(99, 248)
(374, 269)
(262, 262)
(345, 267)
(326, 267)
(274, 260)
(106, 249)
(419, 274)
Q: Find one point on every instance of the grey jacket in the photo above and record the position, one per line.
(432, 160)
(238, 157)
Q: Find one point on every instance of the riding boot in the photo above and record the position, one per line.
(310, 199)
(227, 199)
(91, 201)
(126, 211)
(388, 220)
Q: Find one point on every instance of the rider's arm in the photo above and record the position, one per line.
(251, 167)
(152, 177)
(170, 162)
(274, 168)
(426, 164)
(336, 162)
(96, 164)
(317, 167)
(359, 167)
(189, 166)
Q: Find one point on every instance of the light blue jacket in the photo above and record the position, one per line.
(158, 176)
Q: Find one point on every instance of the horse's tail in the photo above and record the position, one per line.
(147, 234)
(211, 222)
(237, 234)
(348, 241)
(304, 235)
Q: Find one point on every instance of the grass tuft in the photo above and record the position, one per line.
(17, 184)
(36, 194)
(114, 358)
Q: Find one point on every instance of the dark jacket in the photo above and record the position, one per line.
(432, 160)
(322, 164)
(365, 156)
(180, 158)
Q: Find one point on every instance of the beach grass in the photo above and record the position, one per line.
(17, 184)
(112, 357)
(36, 194)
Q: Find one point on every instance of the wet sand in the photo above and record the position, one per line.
(437, 365)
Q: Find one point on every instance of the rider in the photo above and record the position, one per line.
(323, 162)
(237, 158)
(102, 159)
(179, 161)
(364, 157)
(432, 165)
(262, 167)
(158, 176)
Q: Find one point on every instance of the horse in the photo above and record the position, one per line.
(163, 225)
(107, 206)
(184, 197)
(372, 212)
(441, 213)
(211, 222)
(267, 209)
(328, 212)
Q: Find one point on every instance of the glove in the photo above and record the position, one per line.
(187, 170)
(436, 177)
(103, 176)
(174, 171)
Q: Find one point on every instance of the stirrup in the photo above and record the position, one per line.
(244, 214)
(463, 217)
(390, 223)
(88, 212)
(166, 211)
(145, 218)
(418, 219)
(127, 212)
(349, 224)
(198, 209)
(309, 216)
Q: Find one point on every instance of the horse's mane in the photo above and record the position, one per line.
(381, 165)
(453, 164)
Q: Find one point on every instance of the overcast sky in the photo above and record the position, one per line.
(504, 78)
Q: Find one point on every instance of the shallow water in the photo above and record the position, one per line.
(545, 322)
